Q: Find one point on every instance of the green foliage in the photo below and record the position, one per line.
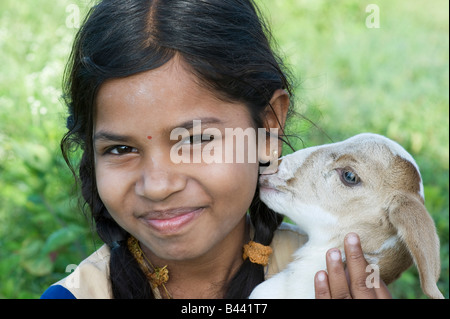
(392, 80)
(41, 228)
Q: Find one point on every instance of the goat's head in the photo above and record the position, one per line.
(368, 184)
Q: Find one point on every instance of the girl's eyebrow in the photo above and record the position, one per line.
(205, 120)
(108, 136)
(114, 137)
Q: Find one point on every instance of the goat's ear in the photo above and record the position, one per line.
(416, 228)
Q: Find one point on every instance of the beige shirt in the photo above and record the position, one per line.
(90, 280)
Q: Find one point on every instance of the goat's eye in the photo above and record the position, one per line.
(348, 177)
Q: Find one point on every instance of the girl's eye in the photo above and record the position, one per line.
(348, 177)
(121, 150)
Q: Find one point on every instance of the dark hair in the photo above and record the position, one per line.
(226, 45)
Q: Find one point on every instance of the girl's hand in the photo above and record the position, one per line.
(348, 283)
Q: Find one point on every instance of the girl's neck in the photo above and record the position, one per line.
(207, 275)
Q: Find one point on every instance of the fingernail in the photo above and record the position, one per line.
(321, 276)
(335, 255)
(352, 239)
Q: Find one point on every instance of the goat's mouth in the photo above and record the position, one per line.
(265, 189)
(266, 186)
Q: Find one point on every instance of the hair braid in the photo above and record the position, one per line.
(265, 222)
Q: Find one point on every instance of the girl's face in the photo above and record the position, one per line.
(179, 211)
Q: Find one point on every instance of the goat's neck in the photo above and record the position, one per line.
(317, 223)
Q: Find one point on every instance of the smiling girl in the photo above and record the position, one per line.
(138, 70)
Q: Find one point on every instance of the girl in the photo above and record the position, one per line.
(140, 71)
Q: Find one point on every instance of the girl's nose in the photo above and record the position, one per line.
(158, 183)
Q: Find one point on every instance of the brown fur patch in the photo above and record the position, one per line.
(403, 176)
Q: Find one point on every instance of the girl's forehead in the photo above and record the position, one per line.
(171, 79)
(169, 93)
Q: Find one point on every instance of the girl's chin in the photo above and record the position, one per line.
(178, 252)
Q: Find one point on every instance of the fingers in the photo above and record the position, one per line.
(356, 265)
(333, 285)
(322, 289)
(342, 284)
(337, 278)
(383, 292)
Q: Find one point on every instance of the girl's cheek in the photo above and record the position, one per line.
(233, 180)
(112, 186)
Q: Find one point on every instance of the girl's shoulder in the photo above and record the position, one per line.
(90, 279)
(287, 239)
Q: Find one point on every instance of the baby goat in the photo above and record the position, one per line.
(367, 184)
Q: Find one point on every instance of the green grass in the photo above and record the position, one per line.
(350, 79)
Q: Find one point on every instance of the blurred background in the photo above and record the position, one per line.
(377, 66)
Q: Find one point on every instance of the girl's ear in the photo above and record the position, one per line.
(274, 117)
(276, 112)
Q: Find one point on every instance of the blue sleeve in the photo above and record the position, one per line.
(57, 292)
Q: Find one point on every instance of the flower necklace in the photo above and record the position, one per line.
(158, 277)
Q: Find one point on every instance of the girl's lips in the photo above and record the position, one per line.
(172, 224)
